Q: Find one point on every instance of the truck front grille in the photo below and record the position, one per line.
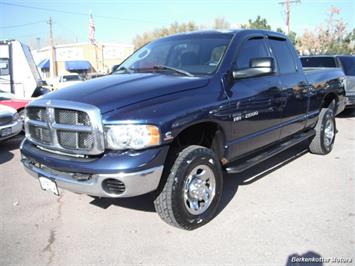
(70, 117)
(37, 114)
(75, 140)
(40, 134)
(74, 128)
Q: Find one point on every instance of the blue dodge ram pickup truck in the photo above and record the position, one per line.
(177, 114)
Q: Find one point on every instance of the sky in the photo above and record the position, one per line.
(121, 20)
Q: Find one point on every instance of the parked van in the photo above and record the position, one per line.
(18, 72)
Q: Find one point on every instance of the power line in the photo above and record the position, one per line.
(287, 4)
(21, 25)
(41, 33)
(68, 29)
(78, 13)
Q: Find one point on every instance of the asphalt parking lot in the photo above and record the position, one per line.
(296, 204)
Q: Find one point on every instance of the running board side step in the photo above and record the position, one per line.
(270, 153)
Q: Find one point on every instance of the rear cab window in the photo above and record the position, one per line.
(283, 55)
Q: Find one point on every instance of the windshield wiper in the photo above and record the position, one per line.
(176, 70)
(124, 70)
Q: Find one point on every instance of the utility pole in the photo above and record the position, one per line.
(287, 5)
(53, 64)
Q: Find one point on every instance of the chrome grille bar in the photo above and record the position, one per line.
(38, 123)
(72, 127)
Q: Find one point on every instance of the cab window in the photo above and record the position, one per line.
(283, 55)
(252, 48)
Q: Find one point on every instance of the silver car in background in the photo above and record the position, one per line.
(345, 62)
(10, 122)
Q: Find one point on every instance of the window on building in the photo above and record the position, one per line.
(4, 67)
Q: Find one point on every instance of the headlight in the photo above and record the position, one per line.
(121, 137)
(15, 117)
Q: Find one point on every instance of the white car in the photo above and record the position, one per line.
(67, 80)
(10, 122)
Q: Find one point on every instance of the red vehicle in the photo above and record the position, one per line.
(10, 99)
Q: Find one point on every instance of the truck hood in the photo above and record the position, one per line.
(120, 90)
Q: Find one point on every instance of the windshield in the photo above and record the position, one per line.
(348, 63)
(318, 61)
(195, 54)
(6, 95)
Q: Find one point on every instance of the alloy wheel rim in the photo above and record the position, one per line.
(199, 189)
(329, 132)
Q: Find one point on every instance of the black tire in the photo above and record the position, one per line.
(320, 144)
(170, 202)
(333, 106)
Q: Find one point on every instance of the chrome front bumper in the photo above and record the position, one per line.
(16, 128)
(135, 184)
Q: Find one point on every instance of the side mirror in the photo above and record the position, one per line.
(257, 67)
(115, 67)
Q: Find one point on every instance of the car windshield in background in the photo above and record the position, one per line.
(318, 61)
(71, 78)
(193, 54)
(348, 63)
(6, 96)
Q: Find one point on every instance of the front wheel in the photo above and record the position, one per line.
(193, 189)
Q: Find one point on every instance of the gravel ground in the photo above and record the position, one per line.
(296, 204)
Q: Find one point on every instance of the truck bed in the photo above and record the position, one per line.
(316, 75)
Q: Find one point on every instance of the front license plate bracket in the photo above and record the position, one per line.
(48, 185)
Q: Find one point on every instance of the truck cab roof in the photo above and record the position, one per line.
(230, 31)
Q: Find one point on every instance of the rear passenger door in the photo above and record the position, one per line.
(294, 87)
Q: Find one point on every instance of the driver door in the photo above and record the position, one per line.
(257, 102)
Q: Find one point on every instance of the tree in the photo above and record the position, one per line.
(292, 35)
(280, 30)
(175, 27)
(258, 23)
(328, 38)
(221, 23)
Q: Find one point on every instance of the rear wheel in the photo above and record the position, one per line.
(325, 129)
(192, 190)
